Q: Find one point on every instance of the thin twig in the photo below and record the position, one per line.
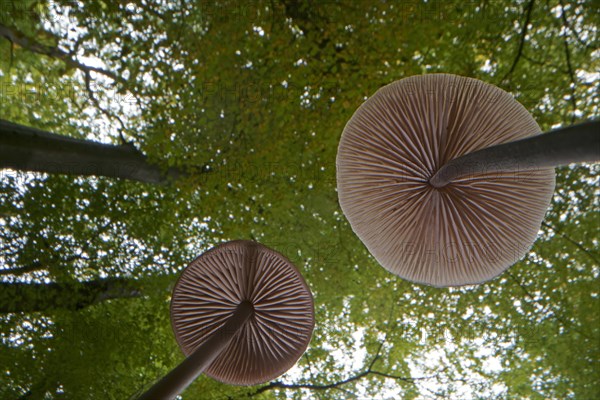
(34, 266)
(336, 385)
(20, 39)
(572, 76)
(524, 29)
(554, 313)
(563, 14)
(575, 243)
(104, 111)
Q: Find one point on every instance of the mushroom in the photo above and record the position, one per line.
(445, 179)
(571, 144)
(241, 313)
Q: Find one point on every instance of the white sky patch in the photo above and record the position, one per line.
(258, 30)
(487, 66)
(123, 106)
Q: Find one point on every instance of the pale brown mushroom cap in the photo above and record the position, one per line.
(273, 338)
(467, 232)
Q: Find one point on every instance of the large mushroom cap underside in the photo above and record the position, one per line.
(467, 232)
(276, 334)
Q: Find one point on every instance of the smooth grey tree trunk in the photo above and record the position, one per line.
(35, 297)
(29, 149)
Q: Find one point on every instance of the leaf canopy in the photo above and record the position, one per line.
(251, 99)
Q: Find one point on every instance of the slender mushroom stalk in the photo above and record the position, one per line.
(241, 313)
(571, 144)
(185, 373)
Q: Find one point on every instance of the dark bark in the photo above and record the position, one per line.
(32, 297)
(30, 149)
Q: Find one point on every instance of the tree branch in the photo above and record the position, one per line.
(29, 149)
(18, 38)
(524, 29)
(36, 297)
(281, 385)
(563, 14)
(544, 63)
(334, 385)
(34, 266)
(55, 258)
(92, 95)
(562, 320)
(576, 244)
(337, 385)
(571, 76)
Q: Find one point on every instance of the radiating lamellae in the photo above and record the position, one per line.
(466, 232)
(277, 333)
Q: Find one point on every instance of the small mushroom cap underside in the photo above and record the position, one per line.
(467, 232)
(275, 335)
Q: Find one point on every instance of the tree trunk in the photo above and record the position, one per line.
(29, 149)
(32, 297)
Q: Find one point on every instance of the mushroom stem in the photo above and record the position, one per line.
(571, 144)
(184, 374)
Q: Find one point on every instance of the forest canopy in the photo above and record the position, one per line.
(247, 101)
